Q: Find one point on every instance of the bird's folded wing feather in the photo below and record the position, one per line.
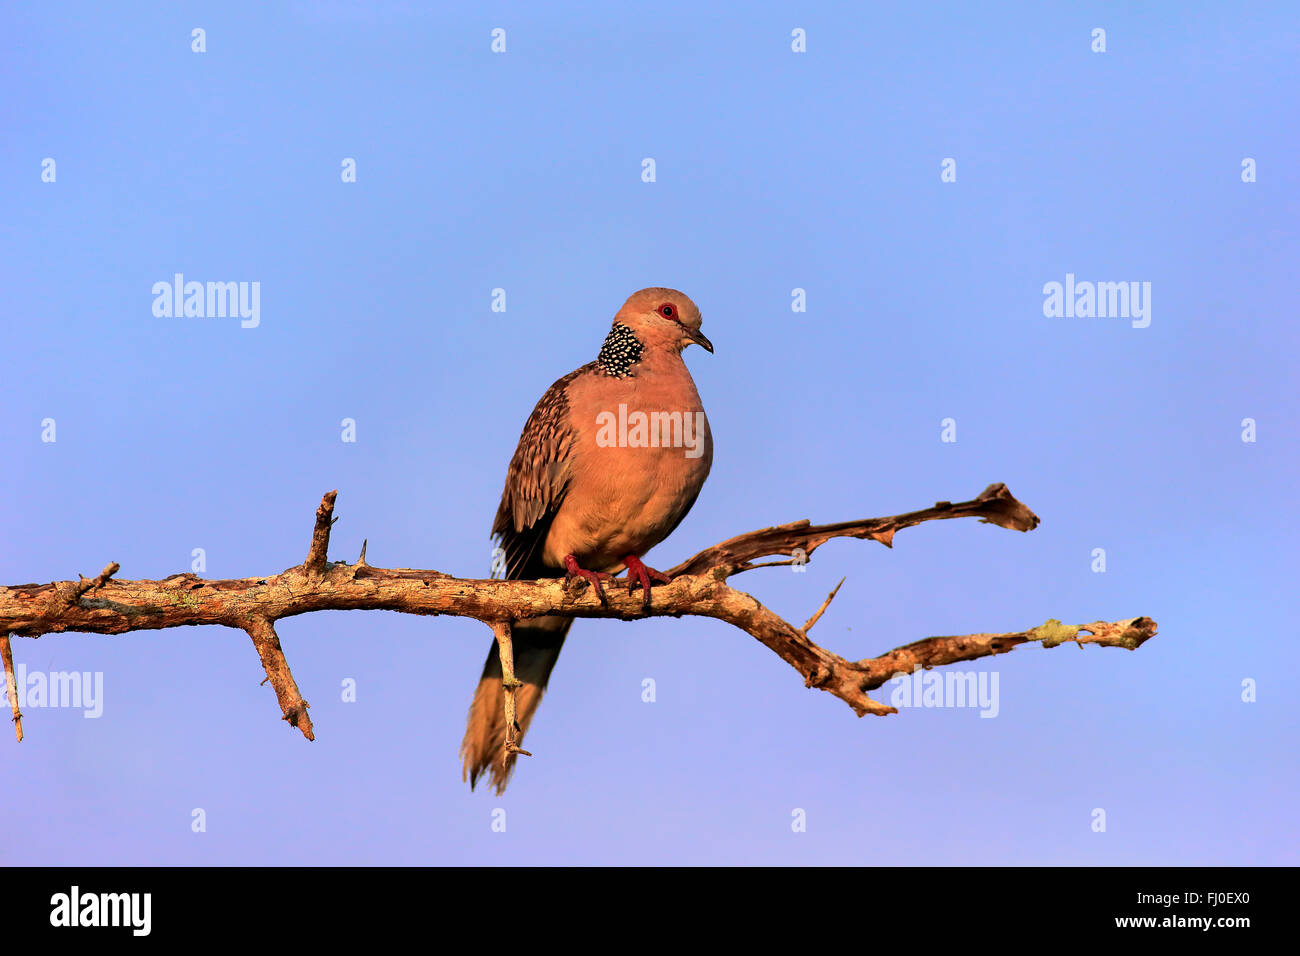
(536, 481)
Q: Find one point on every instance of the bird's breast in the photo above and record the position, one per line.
(636, 468)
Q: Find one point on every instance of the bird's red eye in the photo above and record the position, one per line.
(666, 311)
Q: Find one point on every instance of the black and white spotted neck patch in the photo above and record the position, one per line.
(622, 350)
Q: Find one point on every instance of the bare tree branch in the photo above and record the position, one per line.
(11, 684)
(699, 588)
(277, 670)
(509, 685)
(817, 615)
(995, 505)
(317, 554)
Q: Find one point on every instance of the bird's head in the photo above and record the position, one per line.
(663, 318)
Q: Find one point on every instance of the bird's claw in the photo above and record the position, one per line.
(638, 573)
(593, 577)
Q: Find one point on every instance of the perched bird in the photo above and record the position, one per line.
(609, 462)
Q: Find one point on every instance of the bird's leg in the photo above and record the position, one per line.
(638, 573)
(595, 577)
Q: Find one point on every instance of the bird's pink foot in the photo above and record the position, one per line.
(594, 577)
(638, 573)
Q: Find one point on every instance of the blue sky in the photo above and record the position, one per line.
(775, 170)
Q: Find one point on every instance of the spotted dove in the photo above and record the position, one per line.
(609, 462)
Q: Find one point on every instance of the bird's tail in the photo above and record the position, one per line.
(537, 645)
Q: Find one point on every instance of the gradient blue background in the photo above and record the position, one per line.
(775, 171)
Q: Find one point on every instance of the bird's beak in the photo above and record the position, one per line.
(699, 338)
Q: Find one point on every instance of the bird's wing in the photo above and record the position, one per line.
(536, 482)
